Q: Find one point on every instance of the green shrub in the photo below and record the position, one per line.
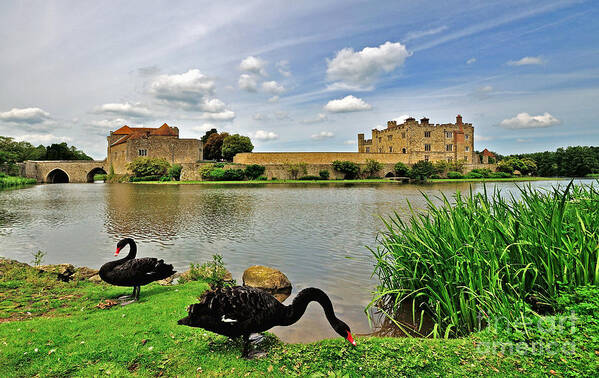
(295, 169)
(435, 176)
(213, 272)
(274, 179)
(234, 175)
(473, 175)
(175, 171)
(401, 169)
(262, 178)
(100, 177)
(234, 144)
(253, 171)
(371, 168)
(348, 168)
(216, 174)
(144, 166)
(166, 178)
(499, 175)
(454, 175)
(422, 170)
(309, 178)
(324, 174)
(485, 172)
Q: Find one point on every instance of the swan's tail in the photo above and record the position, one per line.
(162, 270)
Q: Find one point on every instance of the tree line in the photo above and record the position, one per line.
(12, 152)
(223, 146)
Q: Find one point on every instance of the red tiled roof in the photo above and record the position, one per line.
(488, 153)
(139, 132)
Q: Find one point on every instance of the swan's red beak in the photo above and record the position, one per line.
(350, 339)
(117, 251)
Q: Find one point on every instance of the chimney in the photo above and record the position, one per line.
(458, 120)
(391, 124)
(424, 121)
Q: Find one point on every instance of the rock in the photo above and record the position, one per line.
(63, 271)
(172, 280)
(84, 273)
(95, 278)
(268, 279)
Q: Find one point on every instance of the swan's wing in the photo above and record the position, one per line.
(143, 269)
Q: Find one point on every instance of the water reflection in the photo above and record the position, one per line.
(315, 234)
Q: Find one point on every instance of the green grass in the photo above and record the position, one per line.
(508, 179)
(260, 182)
(486, 256)
(14, 181)
(143, 339)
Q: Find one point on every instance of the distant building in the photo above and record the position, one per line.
(128, 143)
(414, 141)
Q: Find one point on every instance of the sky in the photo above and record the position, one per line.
(302, 76)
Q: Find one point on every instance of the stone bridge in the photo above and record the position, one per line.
(62, 171)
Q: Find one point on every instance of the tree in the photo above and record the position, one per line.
(295, 169)
(422, 170)
(253, 171)
(235, 144)
(372, 167)
(213, 146)
(401, 169)
(207, 135)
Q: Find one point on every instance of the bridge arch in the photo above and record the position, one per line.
(57, 176)
(390, 174)
(93, 172)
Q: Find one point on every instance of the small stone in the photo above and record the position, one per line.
(95, 278)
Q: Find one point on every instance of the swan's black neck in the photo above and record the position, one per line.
(132, 250)
(301, 301)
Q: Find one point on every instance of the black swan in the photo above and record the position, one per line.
(242, 310)
(130, 271)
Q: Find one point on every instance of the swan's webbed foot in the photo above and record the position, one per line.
(250, 342)
(128, 302)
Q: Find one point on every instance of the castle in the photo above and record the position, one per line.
(412, 141)
(128, 143)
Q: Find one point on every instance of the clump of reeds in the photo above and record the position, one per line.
(483, 258)
(10, 181)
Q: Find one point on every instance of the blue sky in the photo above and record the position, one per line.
(300, 77)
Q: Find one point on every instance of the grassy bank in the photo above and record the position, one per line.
(13, 181)
(260, 182)
(487, 257)
(53, 328)
(507, 179)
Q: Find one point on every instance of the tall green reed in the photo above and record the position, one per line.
(486, 257)
(11, 181)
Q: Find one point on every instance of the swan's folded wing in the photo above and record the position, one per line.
(238, 304)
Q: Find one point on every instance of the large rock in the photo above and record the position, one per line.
(84, 273)
(268, 279)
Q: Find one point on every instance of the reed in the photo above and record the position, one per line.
(483, 257)
(11, 181)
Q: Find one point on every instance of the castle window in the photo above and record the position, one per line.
(143, 152)
(467, 148)
(449, 134)
(449, 147)
(403, 150)
(427, 147)
(425, 157)
(390, 149)
(467, 136)
(427, 134)
(466, 157)
(367, 149)
(390, 137)
(380, 139)
(403, 135)
(380, 149)
(449, 160)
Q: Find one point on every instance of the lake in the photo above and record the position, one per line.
(314, 233)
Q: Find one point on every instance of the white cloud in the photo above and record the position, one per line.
(359, 70)
(259, 117)
(527, 60)
(213, 105)
(188, 89)
(283, 67)
(484, 91)
(482, 138)
(110, 123)
(226, 115)
(347, 104)
(265, 135)
(401, 119)
(273, 87)
(45, 139)
(127, 109)
(520, 140)
(322, 135)
(247, 83)
(25, 115)
(471, 60)
(320, 117)
(350, 142)
(526, 121)
(254, 65)
(204, 127)
(274, 99)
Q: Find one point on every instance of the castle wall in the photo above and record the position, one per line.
(268, 158)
